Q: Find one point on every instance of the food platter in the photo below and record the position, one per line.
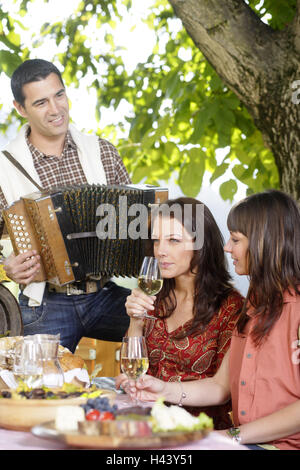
(21, 415)
(81, 440)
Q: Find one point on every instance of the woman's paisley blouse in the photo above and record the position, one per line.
(196, 356)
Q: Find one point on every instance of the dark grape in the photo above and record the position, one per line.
(100, 404)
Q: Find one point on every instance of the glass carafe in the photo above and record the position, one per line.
(53, 375)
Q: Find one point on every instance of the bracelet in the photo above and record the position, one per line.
(182, 396)
(235, 434)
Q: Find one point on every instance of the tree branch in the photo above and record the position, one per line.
(235, 41)
(296, 27)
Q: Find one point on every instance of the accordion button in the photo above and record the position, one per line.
(21, 234)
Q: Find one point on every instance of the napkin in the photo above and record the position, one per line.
(80, 375)
(8, 378)
(107, 383)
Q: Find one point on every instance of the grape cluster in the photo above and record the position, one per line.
(100, 404)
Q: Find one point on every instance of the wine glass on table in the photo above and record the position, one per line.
(134, 357)
(150, 280)
(28, 363)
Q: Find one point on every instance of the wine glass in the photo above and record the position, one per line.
(134, 357)
(150, 280)
(28, 363)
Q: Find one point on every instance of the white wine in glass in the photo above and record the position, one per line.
(134, 357)
(28, 363)
(133, 367)
(150, 286)
(150, 280)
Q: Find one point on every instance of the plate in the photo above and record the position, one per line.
(84, 441)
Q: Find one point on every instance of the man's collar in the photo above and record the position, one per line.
(69, 142)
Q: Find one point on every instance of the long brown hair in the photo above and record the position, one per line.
(208, 263)
(271, 222)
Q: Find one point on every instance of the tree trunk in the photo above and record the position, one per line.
(260, 65)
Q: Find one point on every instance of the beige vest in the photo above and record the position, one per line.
(14, 184)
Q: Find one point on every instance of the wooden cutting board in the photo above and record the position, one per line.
(101, 441)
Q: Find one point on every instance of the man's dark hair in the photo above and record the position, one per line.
(32, 70)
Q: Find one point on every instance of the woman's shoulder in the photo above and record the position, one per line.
(235, 296)
(233, 302)
(290, 295)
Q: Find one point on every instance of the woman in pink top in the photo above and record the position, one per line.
(261, 371)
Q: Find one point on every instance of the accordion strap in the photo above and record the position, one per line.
(21, 169)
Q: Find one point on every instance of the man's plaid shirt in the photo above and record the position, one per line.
(54, 171)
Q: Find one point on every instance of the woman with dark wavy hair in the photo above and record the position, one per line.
(261, 370)
(197, 308)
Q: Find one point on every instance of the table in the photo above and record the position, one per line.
(17, 440)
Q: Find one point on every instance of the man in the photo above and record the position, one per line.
(55, 153)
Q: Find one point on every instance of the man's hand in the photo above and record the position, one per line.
(22, 268)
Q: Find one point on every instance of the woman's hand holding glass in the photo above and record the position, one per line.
(146, 388)
(137, 303)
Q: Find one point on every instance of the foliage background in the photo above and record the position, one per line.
(170, 113)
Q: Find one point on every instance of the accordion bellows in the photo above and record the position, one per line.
(62, 226)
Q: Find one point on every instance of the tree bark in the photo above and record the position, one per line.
(260, 65)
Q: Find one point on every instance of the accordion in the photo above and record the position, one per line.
(84, 232)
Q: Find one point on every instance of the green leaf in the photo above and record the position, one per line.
(14, 39)
(139, 174)
(228, 189)
(191, 174)
(9, 62)
(219, 171)
(200, 124)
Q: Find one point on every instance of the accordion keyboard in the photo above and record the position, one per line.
(22, 233)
